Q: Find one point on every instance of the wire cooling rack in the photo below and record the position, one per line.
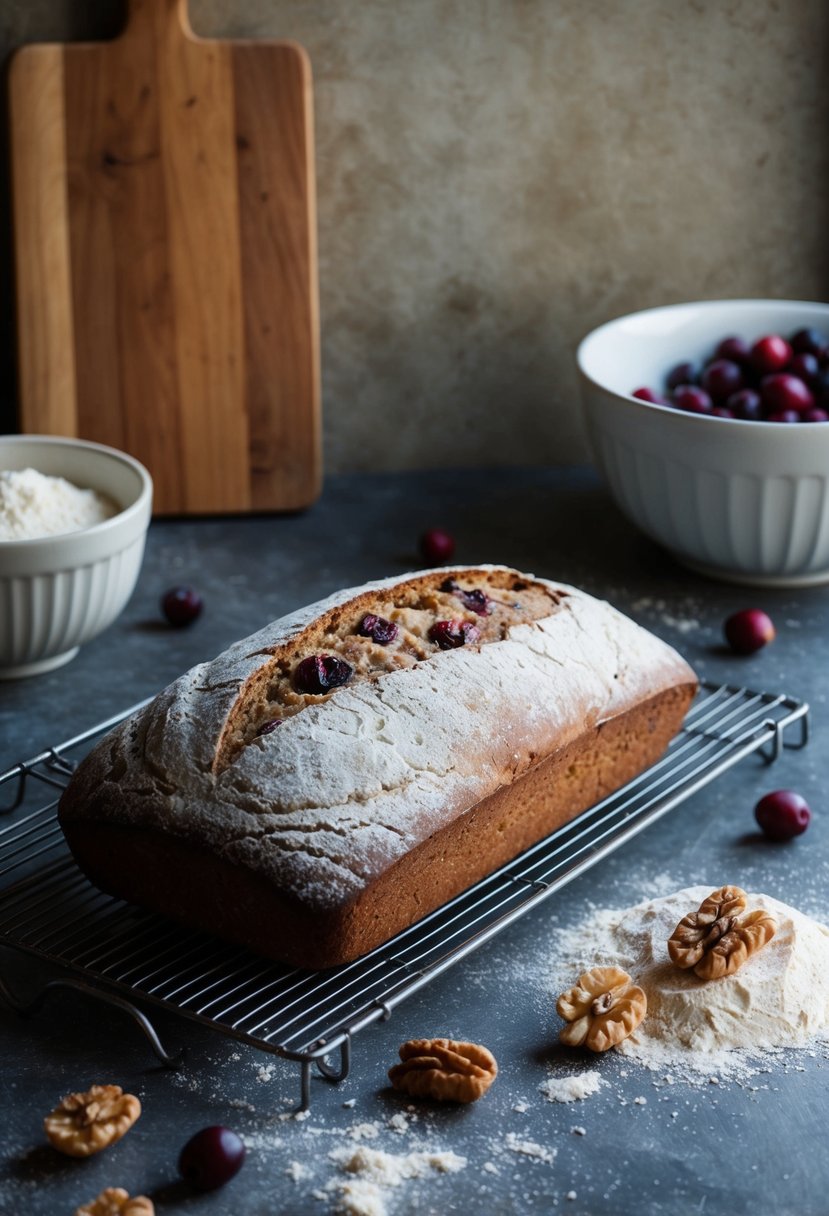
(120, 953)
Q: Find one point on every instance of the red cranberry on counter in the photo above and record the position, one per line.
(181, 605)
(437, 546)
(448, 635)
(693, 400)
(320, 673)
(782, 814)
(770, 354)
(749, 630)
(211, 1158)
(784, 392)
(722, 378)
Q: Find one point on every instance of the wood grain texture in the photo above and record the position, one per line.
(46, 364)
(187, 329)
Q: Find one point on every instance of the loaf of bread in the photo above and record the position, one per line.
(326, 782)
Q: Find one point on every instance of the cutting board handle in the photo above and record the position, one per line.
(147, 18)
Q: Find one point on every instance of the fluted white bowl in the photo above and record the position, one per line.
(742, 501)
(58, 592)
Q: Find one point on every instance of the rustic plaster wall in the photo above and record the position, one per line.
(497, 176)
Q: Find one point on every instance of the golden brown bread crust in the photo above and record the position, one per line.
(173, 875)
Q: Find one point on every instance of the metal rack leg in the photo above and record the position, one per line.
(338, 1074)
(305, 1085)
(26, 1010)
(333, 1075)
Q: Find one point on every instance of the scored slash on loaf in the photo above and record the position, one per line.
(321, 785)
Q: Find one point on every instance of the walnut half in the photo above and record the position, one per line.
(601, 1010)
(114, 1201)
(444, 1069)
(716, 939)
(84, 1124)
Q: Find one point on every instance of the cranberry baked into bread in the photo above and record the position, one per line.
(326, 782)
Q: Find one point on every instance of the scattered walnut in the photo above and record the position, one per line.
(604, 1007)
(83, 1124)
(716, 940)
(444, 1069)
(115, 1201)
(699, 931)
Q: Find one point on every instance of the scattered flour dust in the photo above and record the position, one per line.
(779, 999)
(372, 1173)
(33, 504)
(574, 1088)
(529, 1148)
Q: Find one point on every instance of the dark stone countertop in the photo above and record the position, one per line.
(711, 1148)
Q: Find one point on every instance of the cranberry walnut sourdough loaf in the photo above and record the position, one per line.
(326, 782)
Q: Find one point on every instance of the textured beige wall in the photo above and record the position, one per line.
(497, 176)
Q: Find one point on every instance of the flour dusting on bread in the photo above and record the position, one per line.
(328, 808)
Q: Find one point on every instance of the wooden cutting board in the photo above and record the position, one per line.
(165, 241)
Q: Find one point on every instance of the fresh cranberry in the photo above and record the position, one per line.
(814, 415)
(782, 814)
(692, 399)
(437, 546)
(821, 387)
(721, 411)
(181, 605)
(771, 354)
(749, 630)
(735, 349)
(683, 373)
(788, 416)
(211, 1158)
(378, 629)
(809, 342)
(785, 392)
(722, 378)
(320, 673)
(269, 727)
(806, 368)
(448, 635)
(746, 405)
(648, 394)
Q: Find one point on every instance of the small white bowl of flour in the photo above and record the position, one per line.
(34, 504)
(73, 521)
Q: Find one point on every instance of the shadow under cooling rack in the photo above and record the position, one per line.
(118, 952)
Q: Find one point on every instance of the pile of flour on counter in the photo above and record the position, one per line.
(779, 999)
(33, 504)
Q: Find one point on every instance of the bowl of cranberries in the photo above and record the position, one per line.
(710, 425)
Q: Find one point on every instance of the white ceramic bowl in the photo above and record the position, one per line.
(57, 592)
(742, 501)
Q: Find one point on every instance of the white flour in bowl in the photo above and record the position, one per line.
(779, 999)
(33, 504)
